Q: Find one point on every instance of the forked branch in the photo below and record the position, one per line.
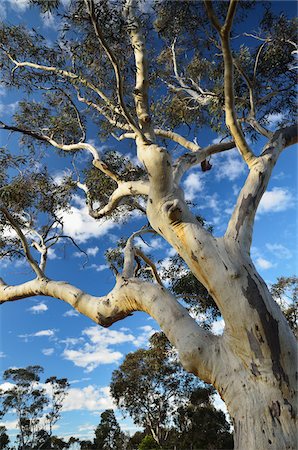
(17, 228)
(230, 111)
(127, 296)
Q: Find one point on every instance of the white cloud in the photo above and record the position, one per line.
(41, 333)
(71, 313)
(276, 200)
(52, 254)
(3, 16)
(92, 251)
(10, 424)
(228, 165)
(80, 226)
(264, 264)
(7, 385)
(19, 5)
(44, 333)
(90, 357)
(97, 349)
(50, 21)
(38, 309)
(146, 332)
(279, 251)
(96, 346)
(2, 355)
(147, 245)
(104, 336)
(274, 120)
(192, 185)
(89, 398)
(218, 326)
(80, 381)
(9, 108)
(219, 403)
(47, 351)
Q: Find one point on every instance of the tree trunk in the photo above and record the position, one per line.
(256, 373)
(253, 367)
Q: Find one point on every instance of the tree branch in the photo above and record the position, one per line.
(151, 264)
(194, 91)
(97, 162)
(14, 224)
(113, 121)
(141, 62)
(65, 74)
(115, 64)
(240, 227)
(189, 160)
(230, 112)
(124, 189)
(126, 297)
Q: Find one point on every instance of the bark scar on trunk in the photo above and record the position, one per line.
(270, 327)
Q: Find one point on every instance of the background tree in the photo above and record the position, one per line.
(152, 387)
(34, 407)
(108, 435)
(99, 71)
(4, 439)
(201, 425)
(285, 292)
(148, 443)
(150, 384)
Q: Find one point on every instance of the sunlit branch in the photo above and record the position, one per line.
(103, 110)
(188, 160)
(14, 224)
(168, 134)
(150, 263)
(194, 91)
(115, 64)
(141, 63)
(72, 77)
(124, 189)
(251, 118)
(97, 162)
(240, 227)
(230, 112)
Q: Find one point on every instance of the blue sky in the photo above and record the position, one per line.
(46, 331)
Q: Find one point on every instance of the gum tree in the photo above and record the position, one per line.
(138, 76)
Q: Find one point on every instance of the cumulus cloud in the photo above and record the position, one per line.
(38, 309)
(149, 244)
(218, 326)
(96, 345)
(47, 351)
(229, 165)
(96, 349)
(8, 108)
(279, 251)
(92, 251)
(80, 226)
(276, 200)
(263, 263)
(142, 339)
(50, 21)
(10, 424)
(89, 398)
(41, 333)
(193, 184)
(274, 120)
(18, 5)
(71, 313)
(2, 355)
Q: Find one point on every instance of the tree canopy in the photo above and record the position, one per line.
(151, 78)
